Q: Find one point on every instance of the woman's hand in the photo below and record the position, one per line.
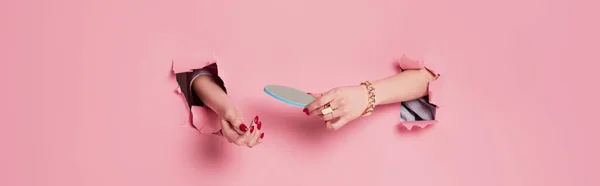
(348, 103)
(236, 131)
(232, 121)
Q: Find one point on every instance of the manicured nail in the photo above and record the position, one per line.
(306, 111)
(243, 128)
(259, 125)
(252, 129)
(256, 119)
(262, 135)
(308, 93)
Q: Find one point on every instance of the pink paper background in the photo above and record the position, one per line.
(87, 95)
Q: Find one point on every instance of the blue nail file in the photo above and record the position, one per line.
(289, 95)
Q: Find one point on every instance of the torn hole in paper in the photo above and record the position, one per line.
(201, 118)
(420, 112)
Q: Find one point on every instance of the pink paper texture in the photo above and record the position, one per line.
(88, 95)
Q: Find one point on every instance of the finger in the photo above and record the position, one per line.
(244, 139)
(255, 136)
(305, 110)
(333, 115)
(338, 102)
(320, 101)
(335, 104)
(260, 138)
(316, 95)
(228, 132)
(335, 125)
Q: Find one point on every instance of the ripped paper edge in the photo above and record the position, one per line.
(433, 86)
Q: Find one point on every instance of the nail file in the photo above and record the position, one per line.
(289, 95)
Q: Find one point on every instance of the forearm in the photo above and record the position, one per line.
(211, 94)
(404, 86)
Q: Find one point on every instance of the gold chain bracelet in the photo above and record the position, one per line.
(371, 98)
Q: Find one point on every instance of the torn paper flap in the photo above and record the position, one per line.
(178, 91)
(421, 124)
(205, 120)
(409, 64)
(435, 91)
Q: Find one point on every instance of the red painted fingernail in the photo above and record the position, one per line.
(256, 119)
(309, 93)
(306, 111)
(259, 125)
(243, 128)
(252, 129)
(262, 135)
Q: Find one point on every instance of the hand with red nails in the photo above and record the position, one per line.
(233, 125)
(236, 131)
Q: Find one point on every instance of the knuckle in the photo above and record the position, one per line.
(341, 110)
(337, 127)
(335, 91)
(313, 107)
(330, 127)
(347, 112)
(342, 101)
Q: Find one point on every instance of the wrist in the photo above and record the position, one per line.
(382, 97)
(371, 99)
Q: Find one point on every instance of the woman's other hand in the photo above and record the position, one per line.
(236, 131)
(348, 103)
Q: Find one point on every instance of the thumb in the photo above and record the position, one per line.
(316, 95)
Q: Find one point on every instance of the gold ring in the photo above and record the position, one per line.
(327, 110)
